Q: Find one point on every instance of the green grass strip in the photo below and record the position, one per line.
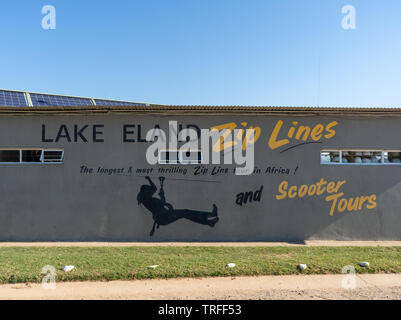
(24, 264)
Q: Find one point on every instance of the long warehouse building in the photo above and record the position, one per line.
(86, 169)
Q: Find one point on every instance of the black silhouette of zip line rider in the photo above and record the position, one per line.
(163, 213)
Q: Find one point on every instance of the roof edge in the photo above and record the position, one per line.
(153, 108)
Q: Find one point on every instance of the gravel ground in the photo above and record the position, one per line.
(368, 286)
(312, 243)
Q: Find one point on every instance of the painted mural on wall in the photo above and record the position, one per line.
(163, 213)
(289, 182)
(283, 137)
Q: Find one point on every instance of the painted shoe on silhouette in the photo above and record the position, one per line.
(214, 211)
(212, 222)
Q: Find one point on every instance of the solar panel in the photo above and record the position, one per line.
(44, 100)
(20, 99)
(12, 99)
(107, 103)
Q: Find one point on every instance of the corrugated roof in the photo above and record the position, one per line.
(153, 108)
(27, 102)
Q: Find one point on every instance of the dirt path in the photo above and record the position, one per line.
(311, 243)
(375, 286)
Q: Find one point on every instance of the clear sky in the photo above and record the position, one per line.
(208, 52)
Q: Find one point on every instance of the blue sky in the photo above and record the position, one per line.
(207, 52)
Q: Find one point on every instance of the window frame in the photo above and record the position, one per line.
(42, 158)
(160, 161)
(190, 161)
(340, 163)
(179, 157)
(34, 149)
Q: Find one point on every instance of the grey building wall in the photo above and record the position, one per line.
(60, 202)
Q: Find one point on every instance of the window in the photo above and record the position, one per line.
(31, 155)
(191, 157)
(330, 157)
(392, 157)
(168, 157)
(10, 156)
(360, 157)
(52, 155)
(180, 157)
